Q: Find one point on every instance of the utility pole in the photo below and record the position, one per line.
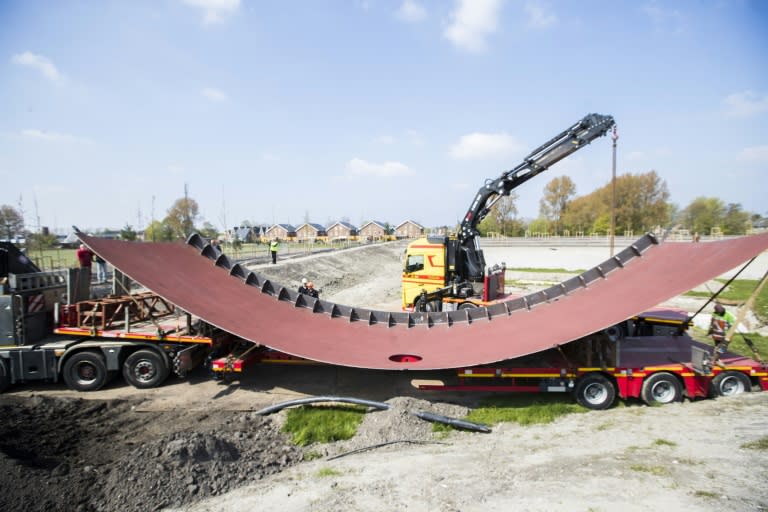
(615, 137)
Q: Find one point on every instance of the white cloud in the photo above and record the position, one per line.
(745, 104)
(471, 22)
(540, 15)
(635, 155)
(40, 63)
(215, 11)
(411, 11)
(754, 155)
(52, 136)
(214, 94)
(485, 145)
(358, 167)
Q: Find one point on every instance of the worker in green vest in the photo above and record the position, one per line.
(721, 322)
(273, 246)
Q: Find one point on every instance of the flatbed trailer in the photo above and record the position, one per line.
(649, 357)
(88, 343)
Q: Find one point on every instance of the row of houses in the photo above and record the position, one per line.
(309, 231)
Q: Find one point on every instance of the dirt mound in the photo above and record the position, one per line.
(104, 455)
(367, 276)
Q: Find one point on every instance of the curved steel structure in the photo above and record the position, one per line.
(204, 282)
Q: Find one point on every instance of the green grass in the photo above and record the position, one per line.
(522, 409)
(326, 472)
(737, 345)
(51, 259)
(664, 442)
(758, 444)
(738, 292)
(653, 470)
(309, 424)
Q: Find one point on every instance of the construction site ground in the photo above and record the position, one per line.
(195, 444)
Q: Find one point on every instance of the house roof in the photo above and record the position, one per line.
(316, 227)
(380, 224)
(410, 222)
(342, 223)
(286, 227)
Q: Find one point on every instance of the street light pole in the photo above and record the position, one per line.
(615, 137)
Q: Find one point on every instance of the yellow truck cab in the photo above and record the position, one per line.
(430, 280)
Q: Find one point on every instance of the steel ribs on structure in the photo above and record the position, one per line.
(202, 281)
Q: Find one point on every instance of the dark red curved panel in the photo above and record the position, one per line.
(183, 276)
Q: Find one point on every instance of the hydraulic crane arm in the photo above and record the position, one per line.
(571, 140)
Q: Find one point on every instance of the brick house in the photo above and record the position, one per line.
(373, 230)
(341, 231)
(309, 231)
(409, 229)
(281, 231)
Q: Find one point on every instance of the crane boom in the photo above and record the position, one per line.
(569, 141)
(589, 128)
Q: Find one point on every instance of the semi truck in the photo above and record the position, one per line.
(449, 272)
(47, 336)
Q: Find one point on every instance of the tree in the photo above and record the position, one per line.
(209, 231)
(736, 221)
(505, 211)
(38, 241)
(158, 232)
(182, 217)
(557, 196)
(11, 222)
(703, 214)
(128, 233)
(641, 205)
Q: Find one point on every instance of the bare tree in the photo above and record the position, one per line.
(11, 221)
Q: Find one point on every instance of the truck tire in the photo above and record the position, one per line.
(145, 369)
(427, 306)
(730, 383)
(661, 388)
(5, 376)
(595, 391)
(85, 371)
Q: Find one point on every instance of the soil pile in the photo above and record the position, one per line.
(92, 455)
(367, 276)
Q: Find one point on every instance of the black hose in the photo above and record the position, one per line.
(462, 424)
(311, 400)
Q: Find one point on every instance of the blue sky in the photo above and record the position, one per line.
(367, 109)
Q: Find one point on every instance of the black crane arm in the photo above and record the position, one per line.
(571, 140)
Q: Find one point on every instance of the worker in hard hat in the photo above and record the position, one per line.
(312, 291)
(721, 322)
(303, 288)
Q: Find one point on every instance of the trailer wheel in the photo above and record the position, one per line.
(145, 369)
(661, 388)
(85, 371)
(5, 378)
(595, 391)
(466, 305)
(730, 383)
